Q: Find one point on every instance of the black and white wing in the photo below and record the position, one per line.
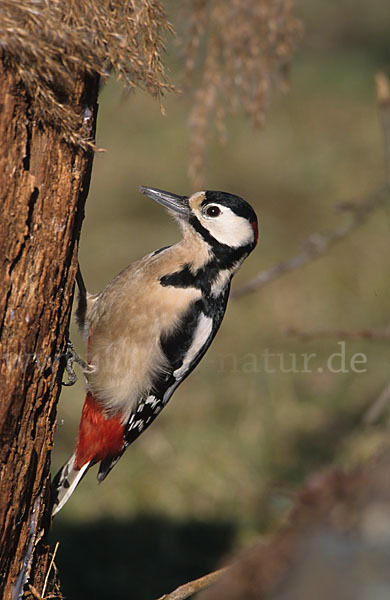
(183, 349)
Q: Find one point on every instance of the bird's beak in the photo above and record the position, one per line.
(177, 204)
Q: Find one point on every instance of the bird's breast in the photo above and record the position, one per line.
(125, 332)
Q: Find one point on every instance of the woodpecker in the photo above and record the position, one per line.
(149, 328)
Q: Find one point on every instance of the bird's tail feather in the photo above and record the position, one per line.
(81, 308)
(65, 482)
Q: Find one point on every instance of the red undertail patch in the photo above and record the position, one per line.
(98, 436)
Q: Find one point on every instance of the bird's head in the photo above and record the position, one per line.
(226, 222)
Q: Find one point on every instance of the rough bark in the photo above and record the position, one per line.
(43, 187)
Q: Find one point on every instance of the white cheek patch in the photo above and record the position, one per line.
(229, 228)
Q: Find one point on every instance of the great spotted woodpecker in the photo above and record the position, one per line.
(149, 328)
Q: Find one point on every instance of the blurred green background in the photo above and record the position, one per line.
(220, 467)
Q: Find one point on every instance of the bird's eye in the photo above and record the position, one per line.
(213, 211)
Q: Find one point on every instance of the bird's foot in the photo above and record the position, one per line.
(71, 357)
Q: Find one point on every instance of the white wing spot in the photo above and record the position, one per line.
(152, 400)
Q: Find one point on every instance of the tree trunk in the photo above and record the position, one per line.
(43, 186)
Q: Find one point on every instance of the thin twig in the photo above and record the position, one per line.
(316, 245)
(319, 244)
(49, 569)
(341, 334)
(192, 587)
(377, 408)
(34, 592)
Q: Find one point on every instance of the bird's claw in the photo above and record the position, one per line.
(71, 357)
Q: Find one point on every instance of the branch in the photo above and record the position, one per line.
(192, 587)
(317, 244)
(338, 518)
(341, 334)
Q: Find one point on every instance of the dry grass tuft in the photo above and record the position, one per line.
(239, 48)
(243, 47)
(49, 44)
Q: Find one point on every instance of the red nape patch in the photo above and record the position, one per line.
(98, 436)
(255, 230)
